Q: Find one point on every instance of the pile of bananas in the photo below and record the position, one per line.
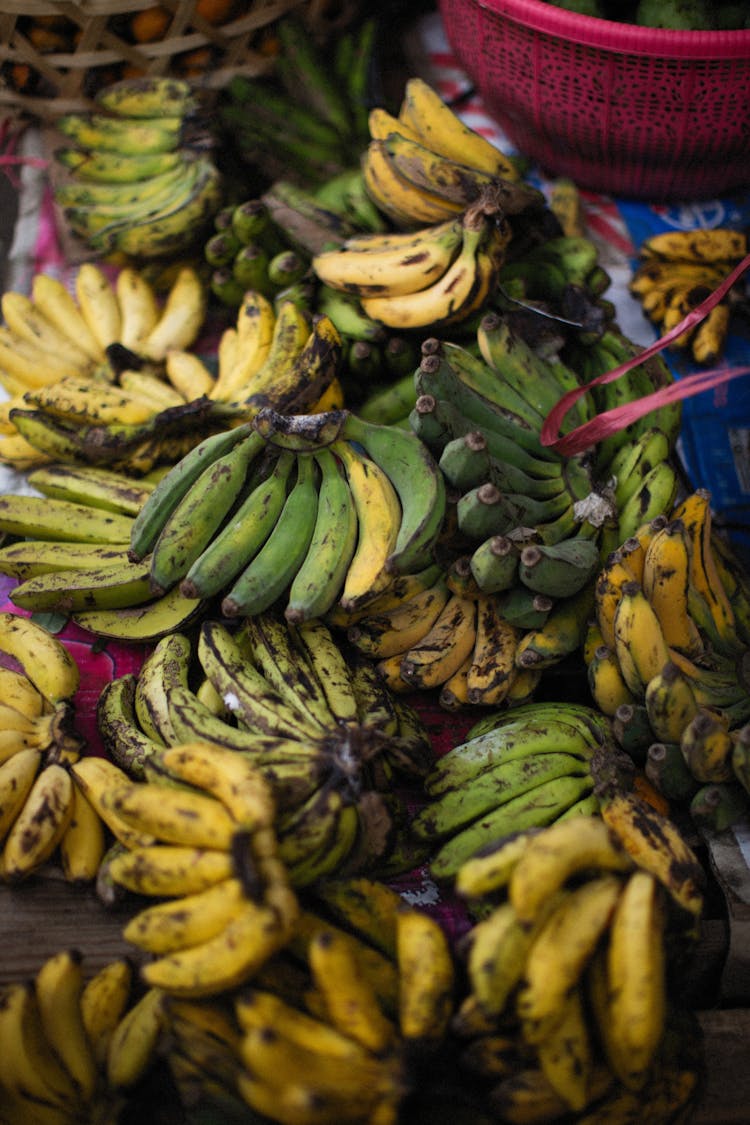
(41, 815)
(315, 721)
(85, 373)
(140, 181)
(570, 1007)
(308, 119)
(680, 269)
(75, 1046)
(320, 509)
(667, 658)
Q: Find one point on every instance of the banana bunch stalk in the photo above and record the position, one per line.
(670, 666)
(517, 769)
(41, 816)
(570, 953)
(76, 1046)
(680, 269)
(85, 372)
(140, 180)
(315, 721)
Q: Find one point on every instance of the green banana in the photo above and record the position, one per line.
(41, 517)
(243, 535)
(127, 136)
(192, 524)
(494, 564)
(99, 166)
(117, 724)
(26, 558)
(525, 608)
(176, 483)
(319, 580)
(144, 624)
(667, 770)
(175, 227)
(96, 487)
(270, 572)
(68, 591)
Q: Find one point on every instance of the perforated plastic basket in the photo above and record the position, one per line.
(632, 111)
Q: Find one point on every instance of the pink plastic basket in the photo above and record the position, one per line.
(632, 111)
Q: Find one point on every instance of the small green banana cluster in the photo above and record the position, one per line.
(516, 770)
(308, 118)
(311, 718)
(666, 660)
(563, 272)
(141, 180)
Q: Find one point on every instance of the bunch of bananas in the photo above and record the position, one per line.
(524, 768)
(680, 269)
(315, 721)
(208, 849)
(74, 1047)
(85, 372)
(667, 658)
(307, 119)
(41, 816)
(140, 180)
(571, 953)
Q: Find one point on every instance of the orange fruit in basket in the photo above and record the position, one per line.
(150, 24)
(215, 11)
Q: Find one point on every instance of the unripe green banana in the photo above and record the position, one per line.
(561, 569)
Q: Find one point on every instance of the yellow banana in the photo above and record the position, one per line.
(166, 869)
(139, 307)
(444, 647)
(150, 389)
(608, 590)
(245, 348)
(27, 365)
(291, 331)
(666, 581)
(96, 776)
(31, 1072)
(188, 374)
(636, 975)
(606, 683)
(442, 130)
(707, 744)
(23, 317)
(670, 703)
(405, 205)
(181, 318)
(640, 646)
(426, 976)
(79, 400)
(557, 853)
(350, 999)
(99, 305)
(379, 516)
(173, 816)
(39, 826)
(104, 999)
(256, 1007)
(55, 301)
(566, 1053)
(399, 629)
(493, 663)
(709, 602)
(17, 775)
(186, 920)
(83, 844)
(135, 1040)
(58, 985)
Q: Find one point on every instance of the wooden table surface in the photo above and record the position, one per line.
(46, 914)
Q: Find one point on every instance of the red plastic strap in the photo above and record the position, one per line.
(610, 421)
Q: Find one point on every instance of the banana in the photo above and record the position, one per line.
(135, 1040)
(70, 591)
(42, 657)
(442, 130)
(129, 136)
(405, 205)
(26, 365)
(37, 830)
(145, 623)
(606, 683)
(668, 772)
(494, 564)
(443, 649)
(173, 816)
(712, 245)
(17, 775)
(188, 374)
(271, 570)
(462, 288)
(708, 601)
(656, 845)
(224, 961)
(335, 671)
(150, 96)
(256, 1007)
(566, 1053)
(95, 777)
(378, 513)
(321, 578)
(495, 950)
(246, 693)
(102, 166)
(640, 646)
(561, 634)
(32, 1074)
(94, 210)
(636, 980)
(666, 581)
(707, 746)
(89, 484)
(225, 775)
(393, 632)
(139, 307)
(88, 401)
(255, 330)
(180, 319)
(349, 998)
(103, 1001)
(58, 985)
(83, 844)
(418, 483)
(188, 920)
(561, 950)
(371, 268)
(654, 496)
(165, 869)
(98, 303)
(191, 525)
(23, 317)
(426, 976)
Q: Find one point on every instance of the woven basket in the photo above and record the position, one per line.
(103, 49)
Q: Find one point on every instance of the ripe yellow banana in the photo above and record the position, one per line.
(181, 317)
(39, 826)
(58, 985)
(99, 305)
(55, 301)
